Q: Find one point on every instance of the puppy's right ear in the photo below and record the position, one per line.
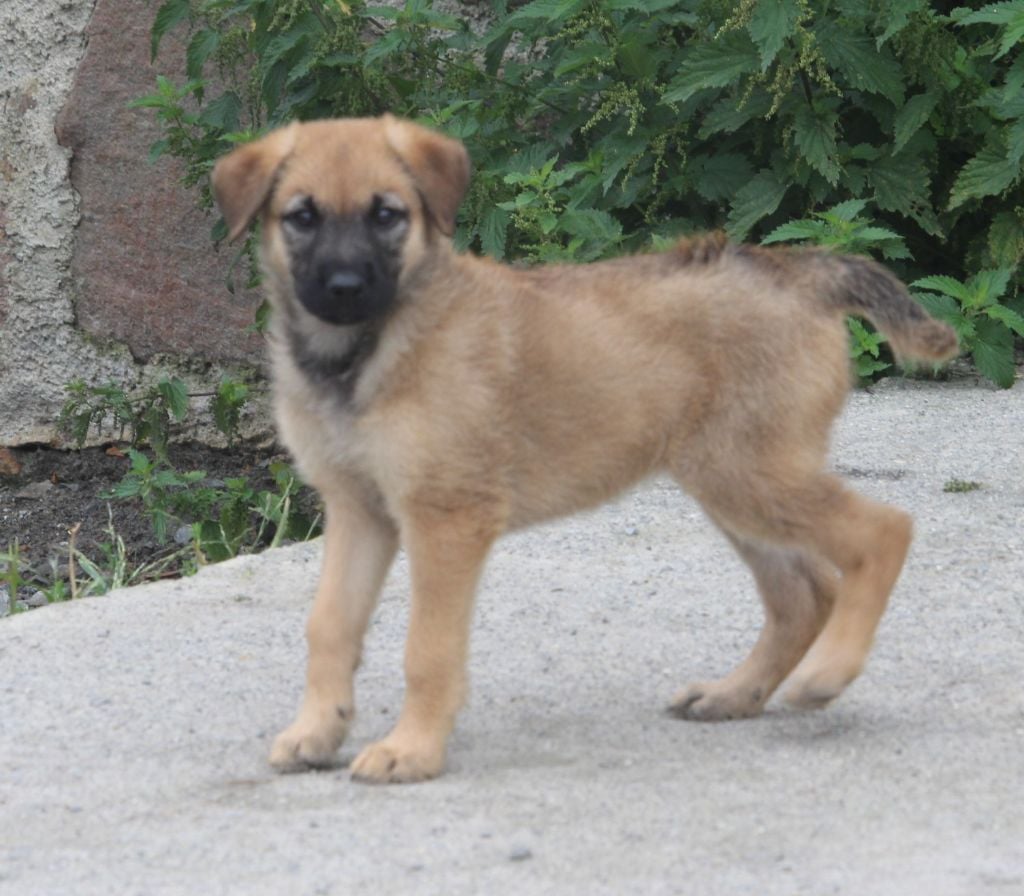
(242, 180)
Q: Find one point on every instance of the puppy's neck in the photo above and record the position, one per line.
(333, 357)
(329, 357)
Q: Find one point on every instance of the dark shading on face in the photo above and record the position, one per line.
(346, 267)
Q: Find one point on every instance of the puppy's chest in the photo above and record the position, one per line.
(322, 431)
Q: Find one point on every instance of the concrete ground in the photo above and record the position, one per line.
(134, 727)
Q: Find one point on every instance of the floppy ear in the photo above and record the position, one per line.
(438, 164)
(242, 180)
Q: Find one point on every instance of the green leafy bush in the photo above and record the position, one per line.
(226, 518)
(603, 126)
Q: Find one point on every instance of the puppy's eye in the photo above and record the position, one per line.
(305, 217)
(384, 217)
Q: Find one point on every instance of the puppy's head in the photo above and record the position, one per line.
(348, 208)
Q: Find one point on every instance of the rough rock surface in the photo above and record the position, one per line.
(142, 259)
(42, 348)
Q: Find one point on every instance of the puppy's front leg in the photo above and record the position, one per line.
(446, 555)
(359, 546)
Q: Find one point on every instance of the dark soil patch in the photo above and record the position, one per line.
(45, 492)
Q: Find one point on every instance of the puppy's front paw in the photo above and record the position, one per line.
(310, 742)
(711, 701)
(398, 761)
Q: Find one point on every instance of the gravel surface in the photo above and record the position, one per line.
(135, 727)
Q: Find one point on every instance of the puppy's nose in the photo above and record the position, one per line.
(345, 284)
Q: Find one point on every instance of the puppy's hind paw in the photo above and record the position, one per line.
(710, 701)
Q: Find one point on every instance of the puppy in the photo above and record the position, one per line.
(437, 400)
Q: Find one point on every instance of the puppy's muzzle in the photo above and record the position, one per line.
(345, 294)
(346, 284)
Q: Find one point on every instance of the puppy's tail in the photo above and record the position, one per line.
(857, 285)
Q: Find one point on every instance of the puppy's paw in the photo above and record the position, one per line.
(712, 701)
(397, 761)
(310, 742)
(816, 688)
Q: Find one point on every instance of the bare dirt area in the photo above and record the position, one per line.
(46, 493)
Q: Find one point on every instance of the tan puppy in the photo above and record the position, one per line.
(438, 400)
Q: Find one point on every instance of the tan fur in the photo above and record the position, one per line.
(499, 397)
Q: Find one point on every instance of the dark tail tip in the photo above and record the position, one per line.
(867, 288)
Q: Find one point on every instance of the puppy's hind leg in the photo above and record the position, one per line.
(358, 549)
(869, 542)
(865, 541)
(797, 590)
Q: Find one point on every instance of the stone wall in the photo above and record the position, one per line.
(107, 271)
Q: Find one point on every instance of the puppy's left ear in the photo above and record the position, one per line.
(242, 180)
(438, 164)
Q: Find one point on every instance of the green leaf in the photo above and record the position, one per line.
(877, 234)
(866, 367)
(845, 211)
(141, 464)
(1015, 79)
(645, 6)
(987, 286)
(212, 541)
(175, 394)
(795, 231)
(283, 43)
(716, 64)
(550, 11)
(902, 184)
(758, 199)
(897, 17)
(948, 310)
(729, 116)
(383, 47)
(719, 176)
(127, 488)
(639, 59)
(992, 352)
(910, 119)
(261, 319)
(1010, 15)
(203, 43)
(1008, 317)
(860, 62)
(580, 57)
(170, 13)
(590, 224)
(227, 406)
(945, 285)
(157, 149)
(494, 232)
(988, 173)
(224, 112)
(771, 22)
(80, 424)
(815, 136)
(1006, 240)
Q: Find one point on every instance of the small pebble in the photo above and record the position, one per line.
(520, 853)
(34, 490)
(183, 535)
(36, 599)
(520, 846)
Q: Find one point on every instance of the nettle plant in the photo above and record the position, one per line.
(226, 517)
(604, 126)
